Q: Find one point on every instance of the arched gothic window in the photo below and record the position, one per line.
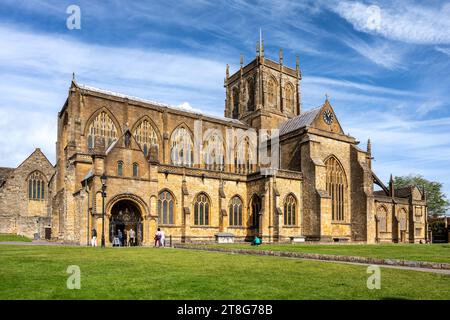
(36, 186)
(337, 188)
(382, 219)
(289, 93)
(146, 136)
(135, 169)
(235, 211)
(120, 168)
(403, 220)
(165, 208)
(272, 92)
(181, 148)
(256, 209)
(213, 152)
(245, 157)
(290, 207)
(235, 103)
(251, 94)
(102, 126)
(201, 210)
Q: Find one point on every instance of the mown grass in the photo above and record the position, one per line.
(39, 272)
(415, 252)
(4, 237)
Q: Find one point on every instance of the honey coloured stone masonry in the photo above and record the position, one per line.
(159, 175)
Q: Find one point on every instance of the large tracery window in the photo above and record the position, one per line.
(382, 219)
(272, 92)
(102, 126)
(36, 186)
(235, 103)
(290, 206)
(201, 210)
(213, 152)
(181, 148)
(289, 99)
(337, 188)
(251, 94)
(146, 136)
(165, 208)
(235, 212)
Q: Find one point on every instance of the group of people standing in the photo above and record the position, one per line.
(126, 238)
(129, 239)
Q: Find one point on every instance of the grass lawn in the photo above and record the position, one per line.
(416, 252)
(13, 237)
(39, 272)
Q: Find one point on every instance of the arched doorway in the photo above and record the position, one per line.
(255, 215)
(126, 216)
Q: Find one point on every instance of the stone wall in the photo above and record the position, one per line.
(18, 213)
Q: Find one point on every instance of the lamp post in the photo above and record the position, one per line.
(103, 180)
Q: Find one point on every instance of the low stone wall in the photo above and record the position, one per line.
(323, 257)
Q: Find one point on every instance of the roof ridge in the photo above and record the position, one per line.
(160, 104)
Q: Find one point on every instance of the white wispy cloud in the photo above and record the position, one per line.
(382, 53)
(36, 71)
(445, 50)
(180, 60)
(187, 107)
(405, 21)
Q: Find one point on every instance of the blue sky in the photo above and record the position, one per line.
(388, 81)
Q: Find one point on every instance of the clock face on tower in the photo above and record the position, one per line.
(328, 117)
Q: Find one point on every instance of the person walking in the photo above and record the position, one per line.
(94, 238)
(158, 238)
(128, 237)
(132, 237)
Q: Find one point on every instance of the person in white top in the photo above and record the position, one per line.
(163, 239)
(132, 237)
(159, 237)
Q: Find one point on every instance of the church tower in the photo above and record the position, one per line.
(263, 93)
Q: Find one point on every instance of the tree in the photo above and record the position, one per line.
(438, 204)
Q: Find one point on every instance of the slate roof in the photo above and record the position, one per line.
(379, 193)
(405, 192)
(159, 104)
(303, 120)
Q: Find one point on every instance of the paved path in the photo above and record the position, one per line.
(401, 267)
(32, 243)
(440, 271)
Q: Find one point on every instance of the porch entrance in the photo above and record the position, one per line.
(125, 217)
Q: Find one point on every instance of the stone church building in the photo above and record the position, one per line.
(148, 165)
